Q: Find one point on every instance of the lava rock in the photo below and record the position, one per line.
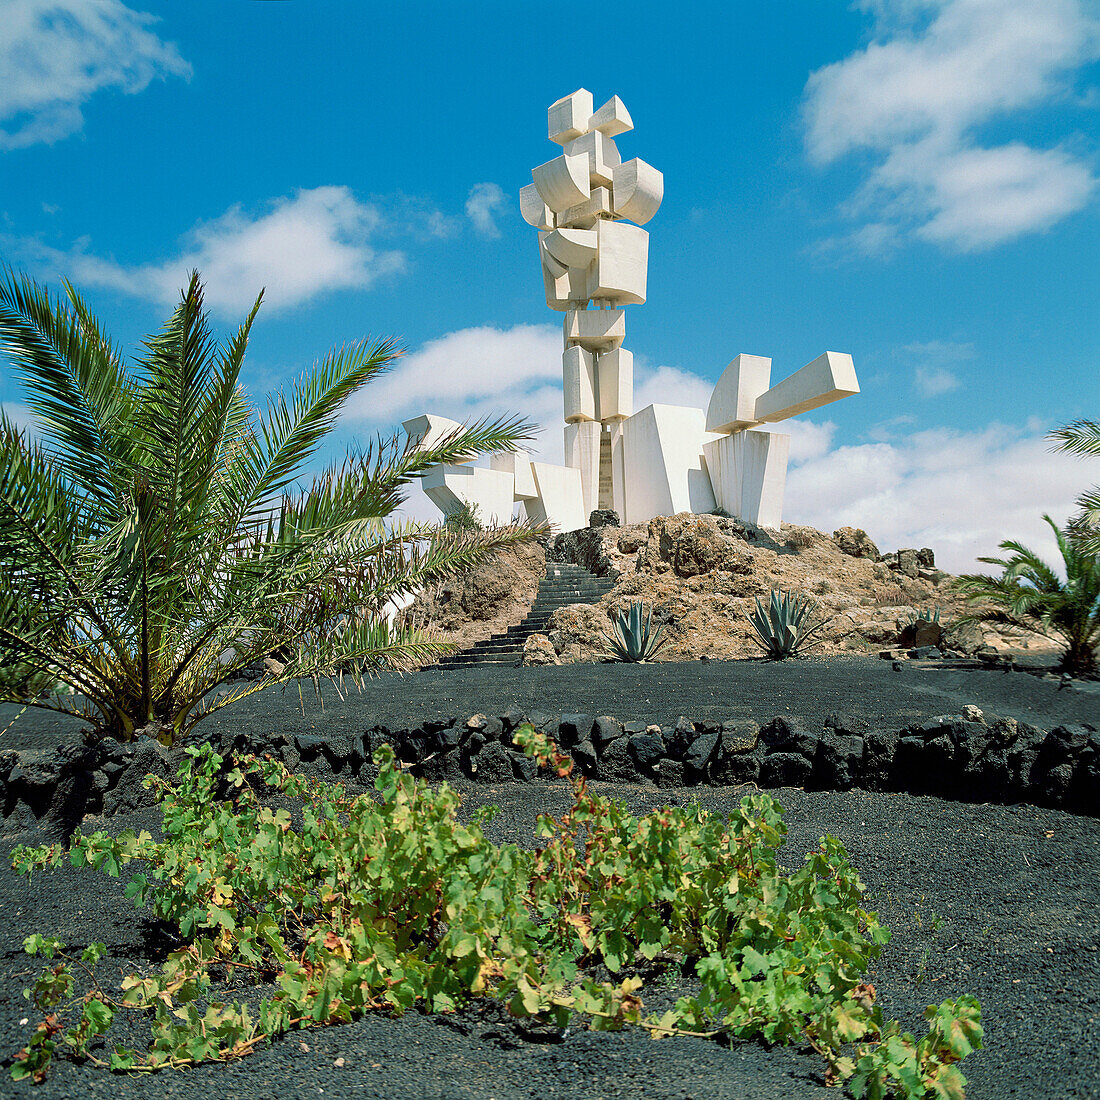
(493, 764)
(838, 764)
(584, 756)
(647, 749)
(788, 735)
(573, 728)
(617, 763)
(699, 755)
(785, 769)
(606, 730)
(309, 745)
(670, 773)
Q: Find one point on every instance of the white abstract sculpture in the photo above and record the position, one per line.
(663, 459)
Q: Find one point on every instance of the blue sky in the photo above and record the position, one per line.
(910, 181)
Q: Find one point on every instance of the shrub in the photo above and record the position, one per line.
(787, 625)
(1030, 595)
(155, 541)
(465, 518)
(383, 905)
(630, 638)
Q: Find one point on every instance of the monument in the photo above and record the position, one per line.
(662, 459)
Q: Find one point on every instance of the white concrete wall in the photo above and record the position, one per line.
(665, 472)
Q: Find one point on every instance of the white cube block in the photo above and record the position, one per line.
(663, 461)
(615, 383)
(748, 472)
(637, 190)
(563, 182)
(622, 262)
(602, 154)
(584, 215)
(567, 118)
(612, 118)
(490, 491)
(595, 329)
(428, 431)
(582, 452)
(733, 402)
(559, 502)
(578, 384)
(518, 464)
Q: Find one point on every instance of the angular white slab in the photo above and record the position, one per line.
(567, 118)
(622, 263)
(595, 329)
(578, 384)
(748, 472)
(533, 210)
(490, 491)
(733, 402)
(563, 181)
(566, 287)
(428, 431)
(582, 452)
(663, 461)
(614, 382)
(518, 464)
(828, 378)
(559, 502)
(572, 247)
(637, 189)
(612, 118)
(603, 156)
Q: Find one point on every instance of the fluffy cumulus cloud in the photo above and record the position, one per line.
(960, 493)
(915, 100)
(56, 54)
(297, 247)
(481, 206)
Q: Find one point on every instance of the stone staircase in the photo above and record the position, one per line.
(563, 584)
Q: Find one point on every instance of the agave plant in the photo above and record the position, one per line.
(786, 625)
(631, 639)
(154, 539)
(1030, 595)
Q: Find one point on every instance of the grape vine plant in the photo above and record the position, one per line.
(381, 903)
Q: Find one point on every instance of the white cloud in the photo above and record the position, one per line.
(960, 493)
(314, 241)
(482, 203)
(933, 364)
(915, 97)
(56, 54)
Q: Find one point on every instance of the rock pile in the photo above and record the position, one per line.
(957, 756)
(701, 575)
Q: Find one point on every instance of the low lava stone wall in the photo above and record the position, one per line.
(953, 756)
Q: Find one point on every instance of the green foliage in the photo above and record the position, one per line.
(380, 905)
(923, 616)
(1082, 437)
(1030, 595)
(787, 625)
(465, 518)
(156, 539)
(631, 639)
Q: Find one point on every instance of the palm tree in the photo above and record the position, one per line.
(1082, 437)
(155, 540)
(1030, 595)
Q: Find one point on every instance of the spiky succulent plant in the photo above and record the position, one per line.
(786, 625)
(631, 639)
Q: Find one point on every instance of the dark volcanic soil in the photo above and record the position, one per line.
(1017, 889)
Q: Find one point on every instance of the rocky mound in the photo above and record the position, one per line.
(701, 574)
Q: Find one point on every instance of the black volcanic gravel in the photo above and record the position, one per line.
(1016, 887)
